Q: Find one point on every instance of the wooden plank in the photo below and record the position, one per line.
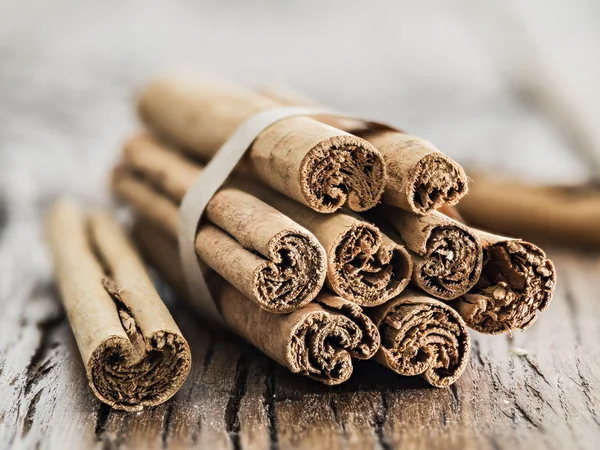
(42, 381)
(303, 413)
(236, 398)
(255, 421)
(462, 94)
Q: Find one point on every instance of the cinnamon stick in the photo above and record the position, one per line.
(133, 352)
(272, 260)
(447, 255)
(317, 341)
(561, 215)
(516, 282)
(310, 162)
(420, 178)
(422, 336)
(363, 264)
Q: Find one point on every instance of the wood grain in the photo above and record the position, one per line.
(236, 398)
(65, 103)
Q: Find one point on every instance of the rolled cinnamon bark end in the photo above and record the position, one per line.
(129, 375)
(288, 279)
(447, 255)
(516, 283)
(133, 352)
(368, 340)
(420, 178)
(422, 336)
(367, 267)
(310, 162)
(333, 168)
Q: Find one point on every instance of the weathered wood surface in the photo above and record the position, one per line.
(459, 73)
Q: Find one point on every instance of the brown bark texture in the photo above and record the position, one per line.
(447, 255)
(516, 283)
(422, 336)
(133, 352)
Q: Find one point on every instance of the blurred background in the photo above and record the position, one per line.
(504, 85)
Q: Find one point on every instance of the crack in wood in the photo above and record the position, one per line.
(526, 415)
(270, 407)
(380, 418)
(40, 363)
(572, 307)
(499, 386)
(585, 388)
(539, 395)
(121, 422)
(166, 426)
(476, 351)
(536, 368)
(335, 413)
(104, 411)
(456, 402)
(232, 410)
(30, 414)
(563, 403)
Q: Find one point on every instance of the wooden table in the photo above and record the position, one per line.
(507, 85)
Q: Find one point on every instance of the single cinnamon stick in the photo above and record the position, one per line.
(447, 256)
(363, 265)
(420, 178)
(133, 352)
(517, 281)
(264, 254)
(310, 162)
(567, 215)
(317, 341)
(422, 336)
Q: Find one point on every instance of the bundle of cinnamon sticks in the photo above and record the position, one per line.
(333, 240)
(326, 210)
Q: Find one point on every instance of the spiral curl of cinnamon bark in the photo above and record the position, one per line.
(517, 281)
(131, 375)
(451, 264)
(425, 338)
(366, 271)
(293, 275)
(436, 181)
(337, 173)
(368, 340)
(322, 347)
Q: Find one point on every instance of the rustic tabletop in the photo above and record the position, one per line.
(501, 85)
